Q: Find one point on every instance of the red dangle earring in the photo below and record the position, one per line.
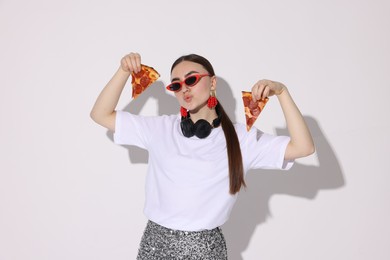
(212, 101)
(183, 112)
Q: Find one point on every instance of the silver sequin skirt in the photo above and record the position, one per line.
(159, 242)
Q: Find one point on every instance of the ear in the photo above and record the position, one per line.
(213, 83)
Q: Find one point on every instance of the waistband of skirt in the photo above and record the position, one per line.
(166, 230)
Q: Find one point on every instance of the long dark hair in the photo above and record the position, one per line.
(236, 171)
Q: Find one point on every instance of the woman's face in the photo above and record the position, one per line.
(193, 98)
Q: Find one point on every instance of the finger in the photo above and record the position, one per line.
(265, 92)
(260, 91)
(255, 91)
(138, 61)
(133, 62)
(129, 64)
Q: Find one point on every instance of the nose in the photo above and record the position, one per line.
(185, 88)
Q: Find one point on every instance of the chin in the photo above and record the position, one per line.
(194, 107)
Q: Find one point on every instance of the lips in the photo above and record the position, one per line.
(187, 98)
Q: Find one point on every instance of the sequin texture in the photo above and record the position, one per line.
(162, 243)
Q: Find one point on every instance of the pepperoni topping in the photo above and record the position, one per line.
(246, 101)
(139, 74)
(252, 105)
(144, 81)
(250, 121)
(138, 89)
(256, 112)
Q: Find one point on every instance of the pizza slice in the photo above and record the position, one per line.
(252, 108)
(143, 79)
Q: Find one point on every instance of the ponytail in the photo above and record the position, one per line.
(236, 169)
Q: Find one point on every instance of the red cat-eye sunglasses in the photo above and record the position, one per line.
(189, 81)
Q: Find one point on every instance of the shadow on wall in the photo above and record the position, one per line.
(252, 206)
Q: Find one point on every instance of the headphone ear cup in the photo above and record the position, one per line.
(187, 127)
(202, 128)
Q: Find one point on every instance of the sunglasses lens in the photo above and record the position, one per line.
(190, 81)
(175, 86)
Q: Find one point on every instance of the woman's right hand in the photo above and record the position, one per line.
(131, 63)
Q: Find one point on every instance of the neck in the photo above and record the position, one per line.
(204, 113)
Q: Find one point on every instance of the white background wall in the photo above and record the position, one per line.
(67, 192)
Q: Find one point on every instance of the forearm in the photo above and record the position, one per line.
(108, 99)
(301, 143)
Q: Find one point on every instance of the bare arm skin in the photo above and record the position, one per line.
(301, 143)
(103, 112)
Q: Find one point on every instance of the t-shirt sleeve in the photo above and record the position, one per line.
(267, 151)
(132, 129)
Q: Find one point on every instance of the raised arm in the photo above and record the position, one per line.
(103, 112)
(301, 143)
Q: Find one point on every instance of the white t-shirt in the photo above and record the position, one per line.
(187, 182)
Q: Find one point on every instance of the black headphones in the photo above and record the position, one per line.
(201, 128)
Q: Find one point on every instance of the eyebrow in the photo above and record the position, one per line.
(185, 76)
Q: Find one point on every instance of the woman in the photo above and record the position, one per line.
(197, 161)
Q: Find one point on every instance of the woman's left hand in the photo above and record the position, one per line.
(266, 88)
